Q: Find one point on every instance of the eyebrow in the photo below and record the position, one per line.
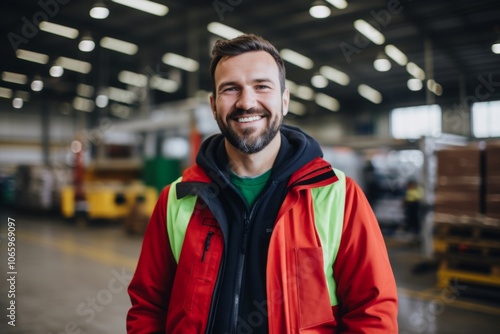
(234, 83)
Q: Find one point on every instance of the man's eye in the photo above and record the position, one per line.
(262, 87)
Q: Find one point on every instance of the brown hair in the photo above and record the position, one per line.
(242, 44)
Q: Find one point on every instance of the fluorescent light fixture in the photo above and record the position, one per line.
(495, 48)
(434, 87)
(145, 6)
(340, 4)
(119, 45)
(296, 108)
(414, 84)
(415, 71)
(86, 44)
(305, 93)
(17, 103)
(34, 57)
(74, 65)
(119, 110)
(395, 54)
(99, 11)
(382, 64)
(319, 10)
(120, 95)
(335, 75)
(58, 29)
(297, 59)
(319, 81)
(37, 85)
(223, 30)
(165, 85)
(85, 90)
(367, 30)
(56, 71)
(16, 78)
(6, 93)
(370, 94)
(327, 102)
(184, 63)
(83, 104)
(133, 79)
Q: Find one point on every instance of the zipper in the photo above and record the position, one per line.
(206, 245)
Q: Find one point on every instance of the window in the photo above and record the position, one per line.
(415, 122)
(486, 119)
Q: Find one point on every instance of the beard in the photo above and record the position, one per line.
(249, 142)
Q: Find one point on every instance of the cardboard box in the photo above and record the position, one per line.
(468, 204)
(464, 161)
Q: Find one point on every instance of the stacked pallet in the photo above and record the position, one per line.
(467, 220)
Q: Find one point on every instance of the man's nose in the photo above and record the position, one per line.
(246, 100)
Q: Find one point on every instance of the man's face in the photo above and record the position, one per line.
(249, 106)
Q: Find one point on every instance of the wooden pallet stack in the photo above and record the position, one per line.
(467, 216)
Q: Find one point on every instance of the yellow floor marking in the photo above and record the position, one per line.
(71, 247)
(436, 295)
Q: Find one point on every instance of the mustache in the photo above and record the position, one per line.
(245, 112)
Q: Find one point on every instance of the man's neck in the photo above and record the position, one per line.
(243, 164)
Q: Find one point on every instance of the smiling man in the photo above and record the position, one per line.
(262, 235)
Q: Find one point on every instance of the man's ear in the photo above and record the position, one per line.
(212, 105)
(286, 101)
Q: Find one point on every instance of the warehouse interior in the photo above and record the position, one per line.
(104, 103)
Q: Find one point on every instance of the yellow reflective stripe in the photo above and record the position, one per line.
(329, 204)
(179, 213)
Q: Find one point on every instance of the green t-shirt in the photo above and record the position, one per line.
(250, 187)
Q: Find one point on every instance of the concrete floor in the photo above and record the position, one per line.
(72, 279)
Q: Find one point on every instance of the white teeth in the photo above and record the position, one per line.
(248, 119)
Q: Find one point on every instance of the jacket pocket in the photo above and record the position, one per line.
(314, 306)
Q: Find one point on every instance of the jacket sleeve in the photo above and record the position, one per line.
(365, 282)
(152, 282)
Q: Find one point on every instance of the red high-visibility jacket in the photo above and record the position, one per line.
(172, 293)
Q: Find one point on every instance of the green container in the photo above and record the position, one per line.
(159, 172)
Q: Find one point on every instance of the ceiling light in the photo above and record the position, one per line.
(99, 11)
(297, 59)
(181, 62)
(34, 57)
(85, 90)
(414, 84)
(292, 86)
(56, 71)
(395, 54)
(58, 29)
(133, 79)
(319, 10)
(496, 47)
(305, 93)
(120, 95)
(382, 64)
(340, 4)
(74, 65)
(223, 30)
(5, 92)
(101, 101)
(416, 71)
(17, 103)
(434, 87)
(164, 85)
(119, 45)
(319, 81)
(86, 44)
(16, 78)
(296, 108)
(145, 6)
(83, 104)
(370, 94)
(369, 32)
(120, 110)
(335, 75)
(37, 84)
(327, 102)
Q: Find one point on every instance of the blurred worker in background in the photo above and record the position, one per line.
(412, 200)
(262, 235)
